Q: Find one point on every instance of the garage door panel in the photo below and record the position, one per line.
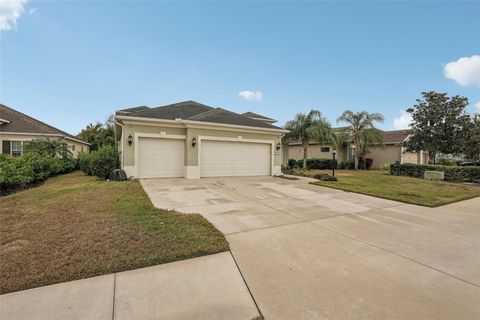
(225, 158)
(160, 158)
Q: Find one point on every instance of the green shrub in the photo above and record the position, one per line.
(324, 177)
(452, 173)
(447, 162)
(347, 165)
(18, 172)
(292, 163)
(100, 162)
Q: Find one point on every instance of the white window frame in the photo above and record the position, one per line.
(11, 148)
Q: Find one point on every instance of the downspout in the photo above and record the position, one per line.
(121, 141)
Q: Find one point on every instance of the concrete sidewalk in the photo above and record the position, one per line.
(209, 287)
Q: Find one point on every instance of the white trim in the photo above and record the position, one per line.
(122, 159)
(238, 139)
(44, 134)
(201, 123)
(137, 135)
(4, 120)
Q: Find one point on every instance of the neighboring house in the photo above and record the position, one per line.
(16, 128)
(192, 140)
(391, 151)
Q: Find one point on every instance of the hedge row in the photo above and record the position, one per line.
(321, 164)
(18, 172)
(99, 163)
(457, 174)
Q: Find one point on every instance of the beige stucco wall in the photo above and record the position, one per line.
(130, 129)
(384, 155)
(410, 157)
(296, 152)
(75, 147)
(191, 153)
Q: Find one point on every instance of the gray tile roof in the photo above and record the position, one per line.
(258, 116)
(395, 136)
(21, 123)
(135, 109)
(194, 111)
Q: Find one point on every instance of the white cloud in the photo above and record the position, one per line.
(477, 107)
(465, 71)
(251, 95)
(32, 11)
(10, 12)
(402, 121)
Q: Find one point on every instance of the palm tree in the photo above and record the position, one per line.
(306, 128)
(338, 138)
(359, 124)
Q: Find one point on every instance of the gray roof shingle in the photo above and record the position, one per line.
(191, 110)
(21, 123)
(258, 116)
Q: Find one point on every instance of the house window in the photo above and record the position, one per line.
(16, 148)
(324, 149)
(73, 147)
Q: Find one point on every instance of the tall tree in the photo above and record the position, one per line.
(472, 148)
(306, 128)
(439, 124)
(359, 124)
(99, 134)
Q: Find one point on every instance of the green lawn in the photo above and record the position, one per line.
(380, 184)
(74, 227)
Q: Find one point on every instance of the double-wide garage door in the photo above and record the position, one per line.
(226, 158)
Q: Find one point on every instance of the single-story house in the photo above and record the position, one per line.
(17, 127)
(192, 140)
(391, 150)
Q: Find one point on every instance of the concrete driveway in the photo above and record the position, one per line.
(308, 252)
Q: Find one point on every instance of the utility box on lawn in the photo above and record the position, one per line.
(434, 175)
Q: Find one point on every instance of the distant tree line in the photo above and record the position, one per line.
(439, 124)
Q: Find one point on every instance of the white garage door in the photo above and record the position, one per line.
(160, 158)
(223, 159)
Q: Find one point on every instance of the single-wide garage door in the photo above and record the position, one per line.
(225, 158)
(160, 158)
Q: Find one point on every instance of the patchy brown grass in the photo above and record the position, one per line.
(74, 227)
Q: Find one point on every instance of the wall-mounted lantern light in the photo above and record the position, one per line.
(130, 140)
(278, 146)
(194, 142)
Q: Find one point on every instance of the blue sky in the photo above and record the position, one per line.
(71, 63)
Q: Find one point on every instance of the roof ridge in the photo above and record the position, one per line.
(254, 114)
(180, 103)
(200, 114)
